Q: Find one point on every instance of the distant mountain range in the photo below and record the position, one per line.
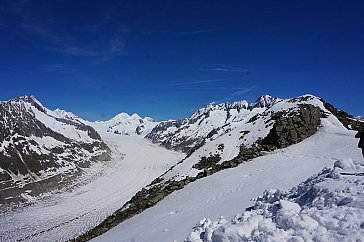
(42, 150)
(124, 124)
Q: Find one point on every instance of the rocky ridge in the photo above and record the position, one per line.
(41, 150)
(190, 133)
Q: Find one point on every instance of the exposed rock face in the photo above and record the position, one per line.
(295, 127)
(41, 150)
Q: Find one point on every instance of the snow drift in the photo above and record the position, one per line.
(327, 207)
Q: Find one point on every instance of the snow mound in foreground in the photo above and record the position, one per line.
(327, 207)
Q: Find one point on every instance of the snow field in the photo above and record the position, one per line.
(230, 191)
(327, 207)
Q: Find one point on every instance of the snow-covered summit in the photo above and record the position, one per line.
(264, 101)
(65, 114)
(124, 124)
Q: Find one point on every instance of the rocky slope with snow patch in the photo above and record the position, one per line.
(327, 207)
(241, 132)
(258, 131)
(40, 149)
(229, 191)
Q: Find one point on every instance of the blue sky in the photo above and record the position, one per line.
(165, 59)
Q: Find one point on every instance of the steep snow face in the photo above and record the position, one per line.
(43, 146)
(124, 124)
(327, 207)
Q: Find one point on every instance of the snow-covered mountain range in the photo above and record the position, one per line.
(40, 149)
(214, 119)
(124, 124)
(221, 136)
(328, 207)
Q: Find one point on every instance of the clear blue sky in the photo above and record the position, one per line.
(164, 59)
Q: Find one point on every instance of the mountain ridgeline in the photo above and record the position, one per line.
(42, 150)
(187, 134)
(223, 136)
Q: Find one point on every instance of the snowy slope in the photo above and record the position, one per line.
(221, 131)
(101, 190)
(124, 124)
(243, 132)
(230, 191)
(327, 207)
(42, 149)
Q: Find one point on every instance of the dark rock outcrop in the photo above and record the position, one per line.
(291, 129)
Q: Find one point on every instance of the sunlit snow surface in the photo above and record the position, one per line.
(70, 213)
(230, 191)
(327, 207)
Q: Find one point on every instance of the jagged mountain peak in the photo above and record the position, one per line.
(135, 116)
(264, 101)
(125, 116)
(225, 106)
(26, 99)
(65, 114)
(120, 116)
(215, 120)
